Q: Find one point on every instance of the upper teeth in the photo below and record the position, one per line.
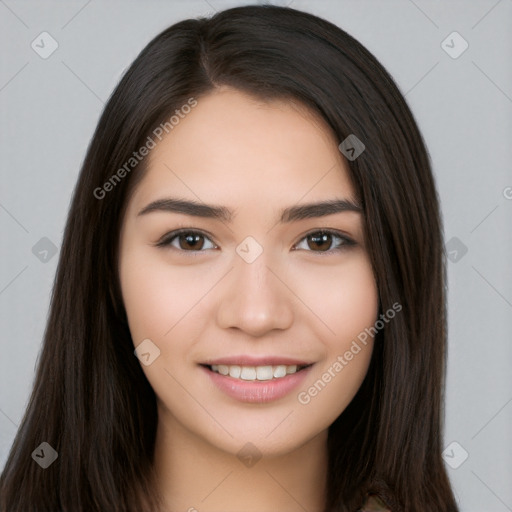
(254, 372)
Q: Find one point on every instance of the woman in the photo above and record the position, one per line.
(269, 375)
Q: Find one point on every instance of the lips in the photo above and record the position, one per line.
(256, 378)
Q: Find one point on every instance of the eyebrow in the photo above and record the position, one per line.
(290, 214)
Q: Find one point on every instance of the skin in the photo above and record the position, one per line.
(202, 301)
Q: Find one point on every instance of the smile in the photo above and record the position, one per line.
(256, 384)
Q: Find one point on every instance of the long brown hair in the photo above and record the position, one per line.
(91, 401)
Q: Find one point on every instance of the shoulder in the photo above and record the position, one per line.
(374, 504)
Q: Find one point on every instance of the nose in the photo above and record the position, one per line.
(255, 298)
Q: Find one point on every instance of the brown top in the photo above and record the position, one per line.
(374, 504)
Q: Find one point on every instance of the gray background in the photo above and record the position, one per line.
(49, 109)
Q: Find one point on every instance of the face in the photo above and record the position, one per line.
(253, 293)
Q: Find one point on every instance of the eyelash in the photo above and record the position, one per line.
(168, 238)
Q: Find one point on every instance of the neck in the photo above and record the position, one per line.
(196, 476)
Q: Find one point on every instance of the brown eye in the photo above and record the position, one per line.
(187, 241)
(191, 241)
(321, 241)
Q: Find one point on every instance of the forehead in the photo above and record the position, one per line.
(231, 147)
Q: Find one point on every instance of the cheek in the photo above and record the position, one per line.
(355, 306)
(344, 299)
(156, 297)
